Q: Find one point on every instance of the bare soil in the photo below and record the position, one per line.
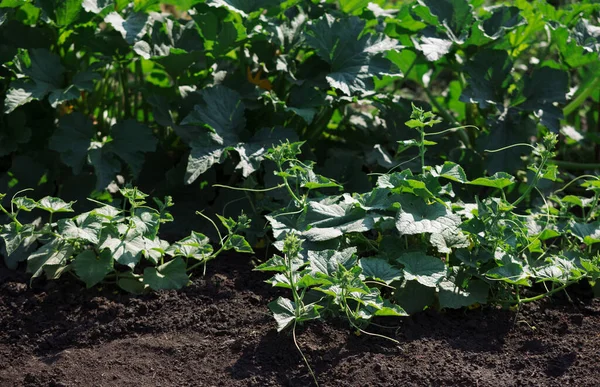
(218, 332)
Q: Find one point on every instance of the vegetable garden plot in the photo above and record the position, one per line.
(396, 157)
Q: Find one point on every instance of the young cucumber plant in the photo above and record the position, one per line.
(411, 244)
(110, 245)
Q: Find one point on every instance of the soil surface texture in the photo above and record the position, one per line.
(219, 332)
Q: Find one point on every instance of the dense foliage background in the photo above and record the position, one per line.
(327, 102)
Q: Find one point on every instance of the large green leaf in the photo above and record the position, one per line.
(130, 140)
(355, 58)
(92, 268)
(196, 246)
(284, 312)
(239, 244)
(54, 253)
(379, 269)
(452, 296)
(105, 163)
(86, 227)
(72, 140)
(545, 88)
(222, 113)
(126, 250)
(513, 273)
(414, 297)
(488, 73)
(132, 29)
(589, 233)
(328, 261)
(418, 217)
(498, 180)
(64, 12)
(171, 275)
(455, 16)
(14, 236)
(53, 205)
(46, 76)
(503, 19)
(425, 269)
(146, 221)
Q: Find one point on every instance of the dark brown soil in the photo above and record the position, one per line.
(218, 332)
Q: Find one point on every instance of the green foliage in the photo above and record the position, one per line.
(326, 120)
(110, 245)
(410, 244)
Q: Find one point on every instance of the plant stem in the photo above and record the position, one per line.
(447, 116)
(533, 183)
(11, 216)
(540, 296)
(574, 104)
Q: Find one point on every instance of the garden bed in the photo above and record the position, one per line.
(219, 332)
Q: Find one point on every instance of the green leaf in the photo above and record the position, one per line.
(284, 312)
(132, 29)
(489, 75)
(452, 296)
(126, 250)
(44, 68)
(417, 217)
(452, 171)
(542, 91)
(355, 58)
(450, 238)
(85, 227)
(24, 203)
(328, 261)
(54, 253)
(589, 233)
(130, 140)
(426, 270)
(14, 236)
(72, 140)
(432, 45)
(171, 275)
(277, 263)
(455, 16)
(105, 163)
(239, 244)
(379, 269)
(503, 19)
(131, 283)
(498, 180)
(196, 246)
(54, 205)
(414, 297)
(64, 13)
(513, 273)
(252, 153)
(222, 114)
(91, 268)
(146, 221)
(390, 310)
(355, 7)
(95, 6)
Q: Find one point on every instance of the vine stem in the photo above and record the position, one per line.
(574, 104)
(447, 116)
(540, 296)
